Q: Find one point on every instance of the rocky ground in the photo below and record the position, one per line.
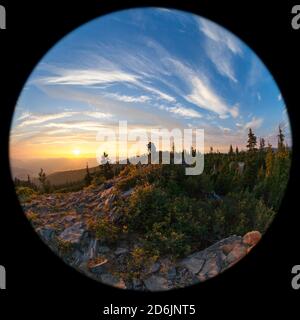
(62, 222)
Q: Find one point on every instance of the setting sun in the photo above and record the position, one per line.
(76, 152)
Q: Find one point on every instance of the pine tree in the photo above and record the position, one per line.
(269, 160)
(282, 150)
(43, 180)
(230, 150)
(193, 151)
(106, 169)
(42, 177)
(88, 177)
(261, 144)
(236, 150)
(251, 146)
(280, 138)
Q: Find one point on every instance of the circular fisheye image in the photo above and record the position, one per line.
(150, 149)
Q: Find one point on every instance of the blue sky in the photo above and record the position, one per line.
(154, 68)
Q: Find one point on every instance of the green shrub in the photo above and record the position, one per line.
(104, 229)
(25, 194)
(127, 183)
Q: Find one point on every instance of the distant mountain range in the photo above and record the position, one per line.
(58, 170)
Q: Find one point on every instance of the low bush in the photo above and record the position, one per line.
(25, 194)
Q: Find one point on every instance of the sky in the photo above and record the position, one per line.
(154, 68)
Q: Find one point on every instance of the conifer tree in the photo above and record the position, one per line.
(280, 139)
(251, 146)
(269, 160)
(261, 144)
(88, 177)
(230, 150)
(43, 180)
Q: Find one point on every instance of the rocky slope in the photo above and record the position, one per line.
(62, 221)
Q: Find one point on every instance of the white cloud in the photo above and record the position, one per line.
(24, 115)
(220, 47)
(94, 77)
(159, 93)
(33, 119)
(201, 93)
(255, 123)
(279, 98)
(204, 96)
(78, 125)
(182, 111)
(98, 115)
(125, 98)
(234, 111)
(221, 59)
(89, 77)
(224, 129)
(219, 35)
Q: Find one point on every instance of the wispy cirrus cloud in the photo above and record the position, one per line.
(220, 47)
(78, 125)
(254, 123)
(158, 92)
(85, 77)
(182, 111)
(201, 92)
(126, 98)
(97, 114)
(91, 77)
(34, 119)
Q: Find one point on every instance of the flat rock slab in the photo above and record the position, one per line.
(111, 280)
(210, 268)
(46, 233)
(120, 251)
(156, 283)
(236, 254)
(73, 234)
(193, 264)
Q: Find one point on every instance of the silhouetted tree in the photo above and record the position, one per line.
(251, 146)
(88, 177)
(261, 144)
(43, 180)
(280, 137)
(230, 152)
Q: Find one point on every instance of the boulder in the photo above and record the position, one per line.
(154, 267)
(252, 238)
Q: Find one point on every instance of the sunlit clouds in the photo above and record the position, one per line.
(175, 70)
